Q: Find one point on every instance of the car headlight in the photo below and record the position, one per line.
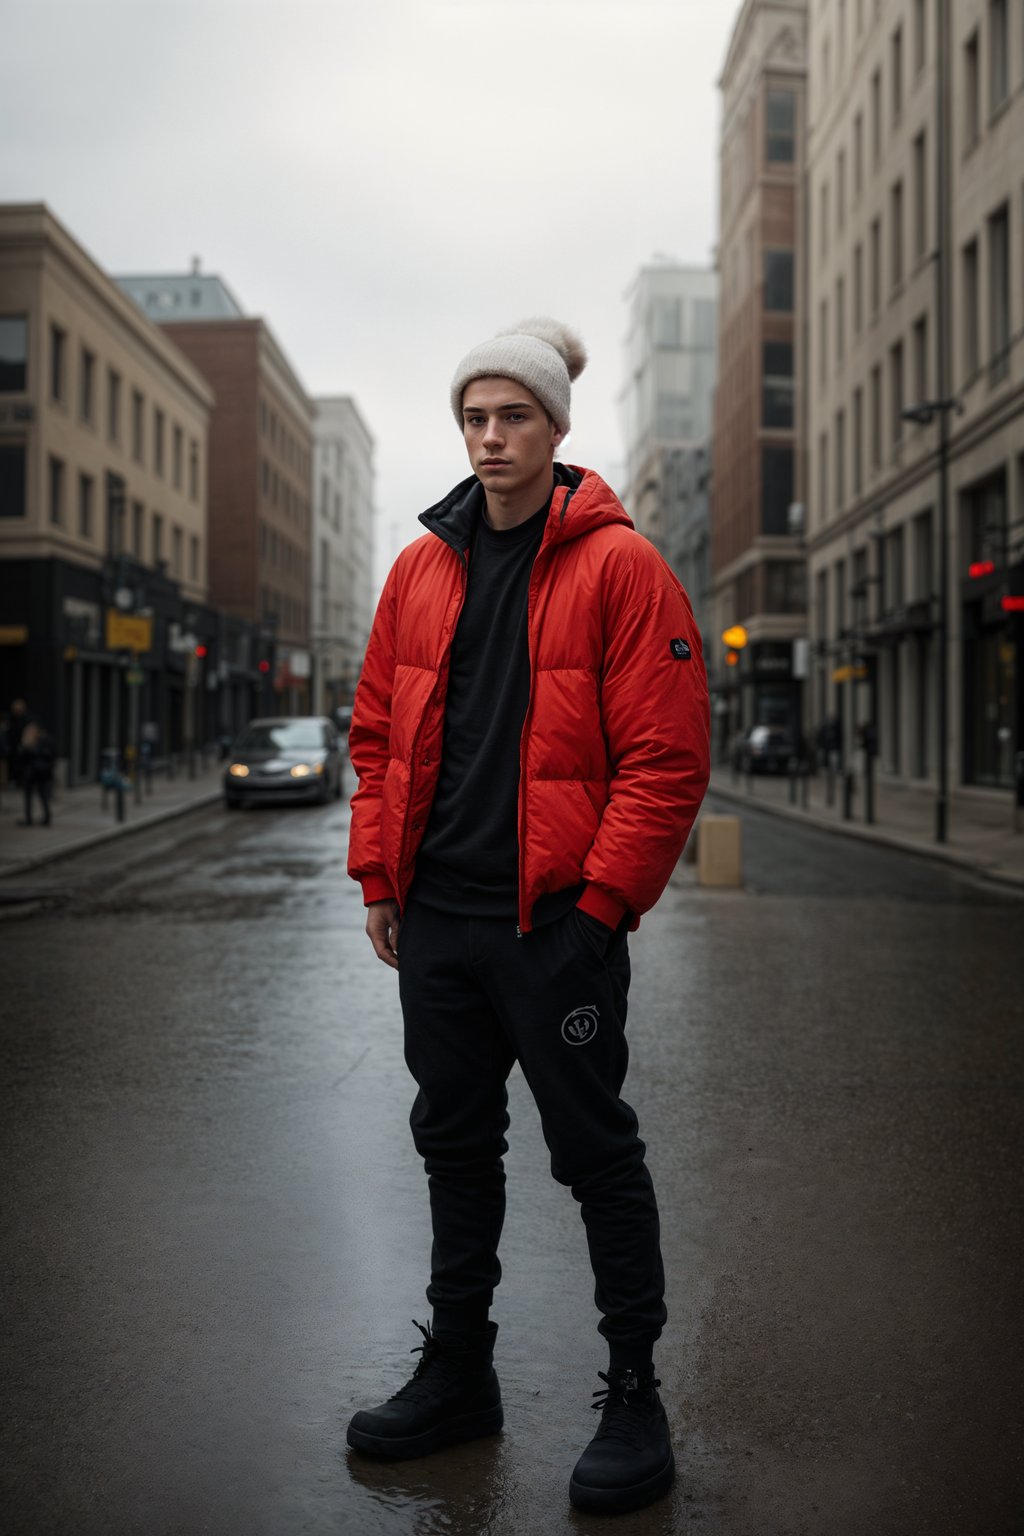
(239, 771)
(301, 771)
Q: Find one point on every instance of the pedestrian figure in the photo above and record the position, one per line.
(531, 738)
(17, 721)
(35, 762)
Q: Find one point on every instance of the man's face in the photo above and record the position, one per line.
(509, 436)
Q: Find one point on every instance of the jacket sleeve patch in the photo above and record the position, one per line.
(680, 650)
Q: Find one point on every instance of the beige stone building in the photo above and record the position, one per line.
(915, 303)
(342, 548)
(758, 567)
(103, 443)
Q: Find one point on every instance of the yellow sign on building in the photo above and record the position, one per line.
(128, 632)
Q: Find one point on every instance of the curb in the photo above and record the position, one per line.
(871, 834)
(118, 829)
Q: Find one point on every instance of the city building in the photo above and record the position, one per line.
(757, 557)
(103, 527)
(259, 474)
(686, 497)
(915, 422)
(343, 539)
(665, 402)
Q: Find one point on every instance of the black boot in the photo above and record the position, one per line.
(452, 1395)
(629, 1462)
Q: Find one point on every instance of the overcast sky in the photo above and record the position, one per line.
(388, 182)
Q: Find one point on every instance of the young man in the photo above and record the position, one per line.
(531, 738)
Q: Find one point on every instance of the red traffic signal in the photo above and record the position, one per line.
(980, 568)
(264, 666)
(201, 651)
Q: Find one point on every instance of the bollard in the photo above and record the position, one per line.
(848, 787)
(830, 785)
(804, 790)
(794, 768)
(119, 797)
(869, 788)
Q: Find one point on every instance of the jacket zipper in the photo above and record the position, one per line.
(534, 585)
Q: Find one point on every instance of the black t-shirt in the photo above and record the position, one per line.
(468, 861)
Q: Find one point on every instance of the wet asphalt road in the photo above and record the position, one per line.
(215, 1228)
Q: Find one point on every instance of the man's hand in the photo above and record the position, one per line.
(382, 929)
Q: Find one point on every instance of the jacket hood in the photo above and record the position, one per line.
(581, 502)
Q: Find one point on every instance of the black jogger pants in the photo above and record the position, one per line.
(475, 997)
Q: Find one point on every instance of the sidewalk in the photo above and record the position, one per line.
(979, 826)
(80, 818)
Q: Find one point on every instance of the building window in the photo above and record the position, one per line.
(857, 447)
(85, 490)
(876, 267)
(897, 75)
(86, 402)
(840, 442)
(876, 418)
(138, 523)
(823, 476)
(999, 294)
(896, 403)
(158, 441)
(858, 154)
(58, 352)
(892, 572)
(999, 54)
(896, 212)
(841, 190)
(780, 127)
(158, 538)
(193, 470)
(785, 586)
(972, 93)
(113, 406)
(823, 342)
(56, 492)
(193, 557)
(776, 489)
(923, 579)
(985, 520)
(12, 479)
(840, 605)
(177, 451)
(920, 35)
(778, 282)
(13, 354)
(972, 312)
(177, 553)
(138, 408)
(778, 384)
(921, 359)
(858, 289)
(876, 116)
(840, 320)
(920, 197)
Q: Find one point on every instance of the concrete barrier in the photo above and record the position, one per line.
(719, 852)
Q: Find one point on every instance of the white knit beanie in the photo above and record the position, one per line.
(541, 354)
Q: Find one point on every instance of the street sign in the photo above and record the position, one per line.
(128, 632)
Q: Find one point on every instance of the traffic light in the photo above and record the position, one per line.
(264, 665)
(201, 652)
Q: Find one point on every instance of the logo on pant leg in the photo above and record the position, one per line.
(580, 1026)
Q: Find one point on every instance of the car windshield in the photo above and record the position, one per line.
(281, 736)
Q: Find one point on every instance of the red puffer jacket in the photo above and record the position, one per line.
(614, 750)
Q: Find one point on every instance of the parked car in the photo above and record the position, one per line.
(295, 758)
(764, 749)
